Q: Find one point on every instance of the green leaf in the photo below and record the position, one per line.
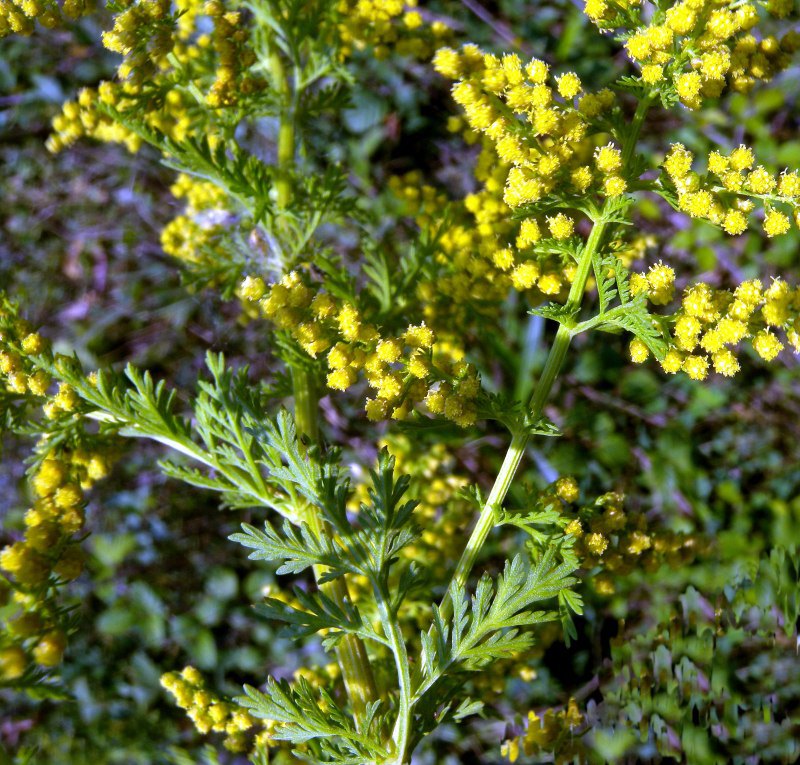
(301, 716)
(318, 612)
(488, 626)
(296, 550)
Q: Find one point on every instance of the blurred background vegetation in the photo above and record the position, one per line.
(80, 250)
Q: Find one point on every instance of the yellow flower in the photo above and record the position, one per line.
(567, 489)
(696, 367)
(608, 158)
(789, 184)
(524, 276)
(742, 158)
(725, 363)
(253, 288)
(767, 345)
(561, 226)
(776, 223)
(761, 181)
(734, 223)
(596, 544)
(672, 362)
(678, 161)
(569, 85)
(448, 63)
(49, 651)
(419, 336)
(341, 379)
(638, 351)
(652, 73)
(614, 186)
(13, 662)
(389, 350)
(537, 71)
(688, 87)
(529, 233)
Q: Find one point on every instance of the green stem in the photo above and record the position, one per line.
(286, 131)
(555, 361)
(306, 403)
(632, 138)
(402, 730)
(519, 442)
(351, 652)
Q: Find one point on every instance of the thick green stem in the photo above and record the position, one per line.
(286, 131)
(306, 403)
(351, 651)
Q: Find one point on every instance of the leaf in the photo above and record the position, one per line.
(555, 312)
(318, 612)
(296, 550)
(302, 717)
(386, 524)
(488, 626)
(636, 319)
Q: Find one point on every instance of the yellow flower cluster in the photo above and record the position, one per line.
(554, 732)
(483, 251)
(699, 47)
(388, 25)
(143, 35)
(658, 284)
(233, 57)
(620, 542)
(153, 41)
(152, 38)
(19, 16)
(725, 194)
(83, 119)
(47, 555)
(542, 131)
(403, 371)
(712, 323)
(206, 710)
(194, 235)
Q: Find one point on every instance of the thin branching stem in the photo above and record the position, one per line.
(555, 361)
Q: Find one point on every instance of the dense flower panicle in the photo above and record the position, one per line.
(196, 235)
(484, 253)
(388, 25)
(404, 371)
(541, 131)
(537, 137)
(209, 44)
(207, 711)
(711, 325)
(697, 49)
(729, 192)
(85, 119)
(48, 554)
(20, 16)
(605, 537)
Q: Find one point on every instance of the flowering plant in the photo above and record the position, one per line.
(238, 98)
